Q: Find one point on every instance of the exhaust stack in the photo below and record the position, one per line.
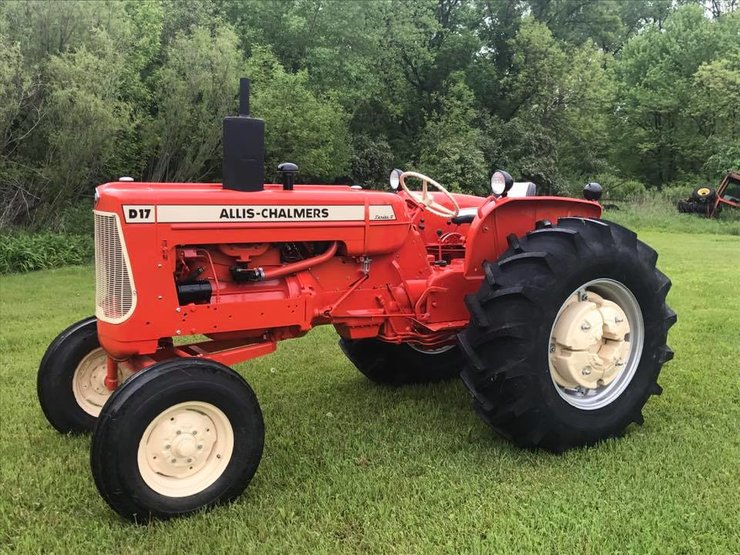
(244, 147)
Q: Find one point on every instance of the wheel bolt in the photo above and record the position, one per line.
(585, 326)
(179, 432)
(586, 371)
(552, 347)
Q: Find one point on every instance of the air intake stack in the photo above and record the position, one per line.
(244, 147)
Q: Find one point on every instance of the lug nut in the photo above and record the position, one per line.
(586, 371)
(585, 326)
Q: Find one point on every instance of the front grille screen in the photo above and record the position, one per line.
(114, 292)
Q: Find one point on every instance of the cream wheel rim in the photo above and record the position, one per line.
(88, 382)
(596, 344)
(185, 449)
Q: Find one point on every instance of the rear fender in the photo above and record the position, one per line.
(499, 218)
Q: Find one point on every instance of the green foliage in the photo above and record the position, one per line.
(303, 127)
(87, 120)
(193, 90)
(558, 92)
(668, 124)
(371, 159)
(450, 143)
(26, 252)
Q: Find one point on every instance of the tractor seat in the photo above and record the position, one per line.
(465, 215)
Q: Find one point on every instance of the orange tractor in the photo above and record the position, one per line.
(710, 201)
(555, 320)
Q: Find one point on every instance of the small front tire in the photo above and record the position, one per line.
(71, 378)
(182, 435)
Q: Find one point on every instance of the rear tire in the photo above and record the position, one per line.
(70, 382)
(692, 207)
(180, 436)
(401, 364)
(510, 337)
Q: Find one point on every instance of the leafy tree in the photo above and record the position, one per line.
(193, 90)
(658, 141)
(301, 127)
(86, 118)
(556, 91)
(450, 143)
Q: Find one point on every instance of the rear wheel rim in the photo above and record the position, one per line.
(185, 449)
(431, 350)
(594, 396)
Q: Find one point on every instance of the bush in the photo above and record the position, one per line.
(617, 188)
(75, 219)
(25, 252)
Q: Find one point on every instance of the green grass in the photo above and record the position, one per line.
(350, 467)
(657, 213)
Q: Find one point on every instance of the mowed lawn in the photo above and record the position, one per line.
(351, 467)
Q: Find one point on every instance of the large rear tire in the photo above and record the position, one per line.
(70, 381)
(180, 436)
(567, 335)
(402, 364)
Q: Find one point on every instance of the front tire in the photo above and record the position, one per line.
(180, 436)
(402, 364)
(526, 354)
(70, 381)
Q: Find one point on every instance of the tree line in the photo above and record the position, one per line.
(637, 94)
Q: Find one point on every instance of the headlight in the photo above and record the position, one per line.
(501, 182)
(395, 179)
(592, 191)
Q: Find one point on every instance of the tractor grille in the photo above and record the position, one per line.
(115, 296)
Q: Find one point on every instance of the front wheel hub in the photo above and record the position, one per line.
(185, 449)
